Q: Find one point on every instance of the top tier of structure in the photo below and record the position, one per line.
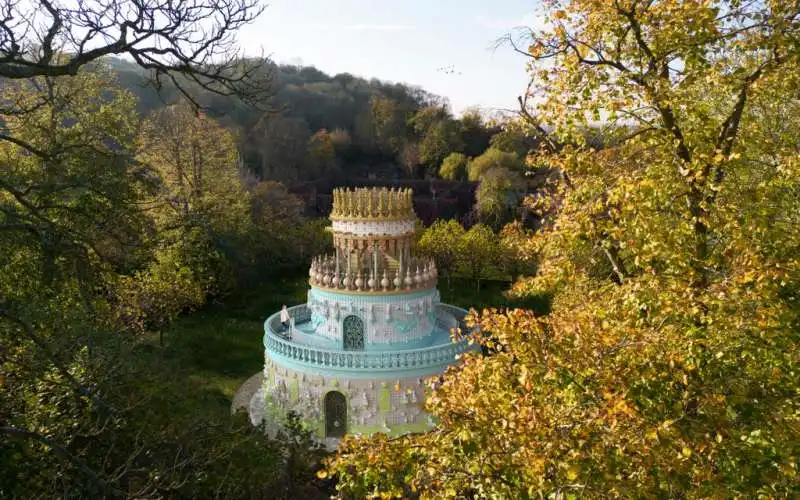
(373, 236)
(376, 204)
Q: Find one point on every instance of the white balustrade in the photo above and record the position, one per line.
(427, 357)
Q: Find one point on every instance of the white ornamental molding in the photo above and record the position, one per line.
(374, 228)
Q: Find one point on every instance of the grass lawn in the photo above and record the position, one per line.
(463, 292)
(221, 345)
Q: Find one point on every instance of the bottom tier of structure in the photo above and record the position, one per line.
(333, 406)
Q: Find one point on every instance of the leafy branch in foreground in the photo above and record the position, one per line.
(666, 365)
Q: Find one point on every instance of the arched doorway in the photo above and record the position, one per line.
(353, 333)
(335, 414)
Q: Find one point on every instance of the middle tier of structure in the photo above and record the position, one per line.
(399, 321)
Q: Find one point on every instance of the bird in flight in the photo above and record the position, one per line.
(448, 70)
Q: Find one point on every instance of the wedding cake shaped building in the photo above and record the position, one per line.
(354, 358)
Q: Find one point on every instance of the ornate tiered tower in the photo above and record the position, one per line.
(353, 359)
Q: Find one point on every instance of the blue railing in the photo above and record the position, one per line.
(422, 360)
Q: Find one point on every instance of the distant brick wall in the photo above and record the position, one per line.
(433, 198)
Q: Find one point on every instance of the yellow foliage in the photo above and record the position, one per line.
(667, 366)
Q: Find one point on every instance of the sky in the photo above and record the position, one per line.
(403, 41)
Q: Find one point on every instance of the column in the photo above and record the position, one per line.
(375, 259)
(401, 252)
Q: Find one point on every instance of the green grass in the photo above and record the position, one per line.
(221, 345)
(463, 292)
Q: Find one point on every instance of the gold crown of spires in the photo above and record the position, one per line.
(372, 203)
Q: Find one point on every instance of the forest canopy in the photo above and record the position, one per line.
(387, 130)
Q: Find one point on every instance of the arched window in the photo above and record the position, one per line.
(353, 333)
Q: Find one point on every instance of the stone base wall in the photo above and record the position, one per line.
(391, 406)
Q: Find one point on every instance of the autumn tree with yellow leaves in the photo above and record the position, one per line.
(667, 366)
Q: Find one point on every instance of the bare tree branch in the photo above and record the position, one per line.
(194, 39)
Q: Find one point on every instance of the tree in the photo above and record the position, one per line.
(67, 175)
(514, 254)
(342, 142)
(442, 241)
(201, 210)
(364, 131)
(666, 365)
(77, 400)
(514, 138)
(274, 204)
(187, 45)
(409, 158)
(439, 136)
(475, 134)
(278, 215)
(197, 160)
(321, 153)
(437, 143)
(279, 148)
(498, 194)
(478, 249)
(454, 167)
(493, 158)
(390, 121)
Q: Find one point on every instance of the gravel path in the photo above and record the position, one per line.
(241, 400)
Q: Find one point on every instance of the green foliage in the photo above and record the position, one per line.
(476, 252)
(439, 136)
(478, 249)
(498, 195)
(390, 119)
(202, 208)
(515, 254)
(151, 430)
(501, 182)
(442, 241)
(373, 114)
(152, 297)
(312, 238)
(514, 138)
(303, 455)
(97, 247)
(282, 236)
(493, 158)
(454, 167)
(321, 153)
(379, 123)
(475, 133)
(277, 148)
